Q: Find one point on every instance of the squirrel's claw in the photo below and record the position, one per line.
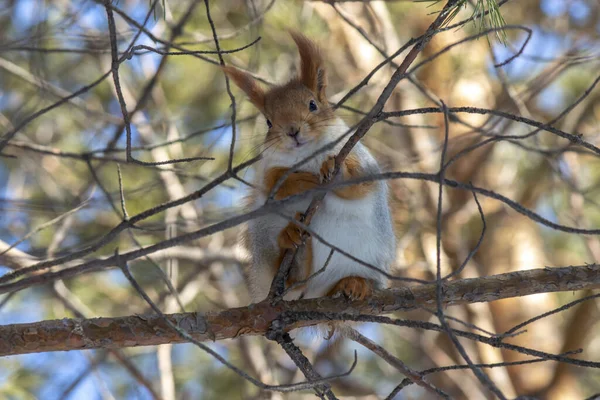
(352, 287)
(330, 331)
(327, 169)
(291, 236)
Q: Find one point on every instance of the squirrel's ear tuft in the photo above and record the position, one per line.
(248, 84)
(312, 67)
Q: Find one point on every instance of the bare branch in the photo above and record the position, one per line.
(256, 319)
(412, 376)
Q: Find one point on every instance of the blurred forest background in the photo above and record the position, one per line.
(59, 187)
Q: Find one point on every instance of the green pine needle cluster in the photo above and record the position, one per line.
(486, 15)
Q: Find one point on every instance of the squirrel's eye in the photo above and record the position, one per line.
(269, 124)
(312, 106)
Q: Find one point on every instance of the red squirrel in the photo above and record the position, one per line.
(356, 218)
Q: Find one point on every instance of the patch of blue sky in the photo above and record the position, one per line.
(564, 168)
(371, 331)
(88, 213)
(189, 352)
(68, 242)
(183, 353)
(135, 63)
(114, 107)
(545, 209)
(138, 392)
(33, 360)
(38, 362)
(96, 138)
(387, 387)
(220, 138)
(193, 389)
(116, 277)
(227, 197)
(221, 350)
(86, 389)
(148, 58)
(5, 100)
(543, 43)
(5, 197)
(93, 17)
(25, 15)
(138, 12)
(71, 364)
(10, 210)
(248, 176)
(232, 277)
(19, 315)
(22, 308)
(25, 245)
(3, 174)
(146, 363)
(579, 10)
(107, 378)
(554, 8)
(552, 98)
(9, 100)
(11, 217)
(135, 137)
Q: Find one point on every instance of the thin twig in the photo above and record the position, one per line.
(121, 194)
(414, 376)
(483, 378)
(227, 87)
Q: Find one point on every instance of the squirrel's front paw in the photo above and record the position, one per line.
(327, 169)
(353, 287)
(291, 236)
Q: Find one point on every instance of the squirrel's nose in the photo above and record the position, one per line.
(293, 132)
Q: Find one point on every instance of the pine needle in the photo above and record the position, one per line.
(486, 15)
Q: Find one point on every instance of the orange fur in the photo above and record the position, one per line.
(351, 169)
(294, 120)
(353, 287)
(290, 238)
(393, 205)
(312, 72)
(286, 107)
(295, 183)
(247, 83)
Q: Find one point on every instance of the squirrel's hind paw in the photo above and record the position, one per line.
(353, 287)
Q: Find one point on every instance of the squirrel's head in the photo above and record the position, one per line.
(297, 113)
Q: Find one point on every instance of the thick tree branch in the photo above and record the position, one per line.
(256, 319)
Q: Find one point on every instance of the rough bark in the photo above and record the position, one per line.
(256, 319)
